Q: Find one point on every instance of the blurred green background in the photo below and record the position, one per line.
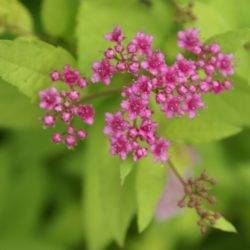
(48, 194)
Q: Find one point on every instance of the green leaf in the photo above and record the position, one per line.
(198, 130)
(150, 181)
(27, 64)
(108, 206)
(58, 17)
(209, 21)
(28, 244)
(125, 169)
(180, 156)
(66, 226)
(15, 18)
(225, 225)
(96, 18)
(234, 12)
(16, 110)
(23, 184)
(232, 107)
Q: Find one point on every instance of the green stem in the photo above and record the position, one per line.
(176, 173)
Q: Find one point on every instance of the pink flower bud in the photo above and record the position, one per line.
(73, 95)
(48, 121)
(66, 117)
(131, 48)
(55, 76)
(214, 48)
(81, 134)
(121, 66)
(109, 53)
(70, 130)
(118, 48)
(56, 138)
(82, 83)
(70, 141)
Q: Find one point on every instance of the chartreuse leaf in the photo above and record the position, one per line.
(180, 156)
(234, 12)
(66, 226)
(238, 43)
(125, 169)
(198, 130)
(150, 182)
(28, 244)
(108, 206)
(96, 18)
(23, 184)
(232, 107)
(58, 17)
(209, 20)
(225, 225)
(15, 18)
(16, 109)
(27, 64)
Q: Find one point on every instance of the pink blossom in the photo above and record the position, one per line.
(217, 87)
(214, 48)
(147, 130)
(143, 42)
(189, 40)
(155, 63)
(115, 36)
(86, 113)
(136, 107)
(134, 67)
(193, 102)
(160, 97)
(224, 64)
(185, 67)
(172, 107)
(103, 71)
(142, 86)
(82, 83)
(171, 75)
(49, 98)
(159, 150)
(115, 124)
(70, 76)
(139, 153)
(120, 146)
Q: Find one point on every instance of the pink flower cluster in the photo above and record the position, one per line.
(176, 88)
(64, 106)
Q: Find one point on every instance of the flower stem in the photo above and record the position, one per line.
(176, 173)
(101, 94)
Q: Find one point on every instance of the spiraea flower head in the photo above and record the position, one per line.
(177, 90)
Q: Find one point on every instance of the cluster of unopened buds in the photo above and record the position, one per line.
(65, 106)
(196, 192)
(177, 89)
